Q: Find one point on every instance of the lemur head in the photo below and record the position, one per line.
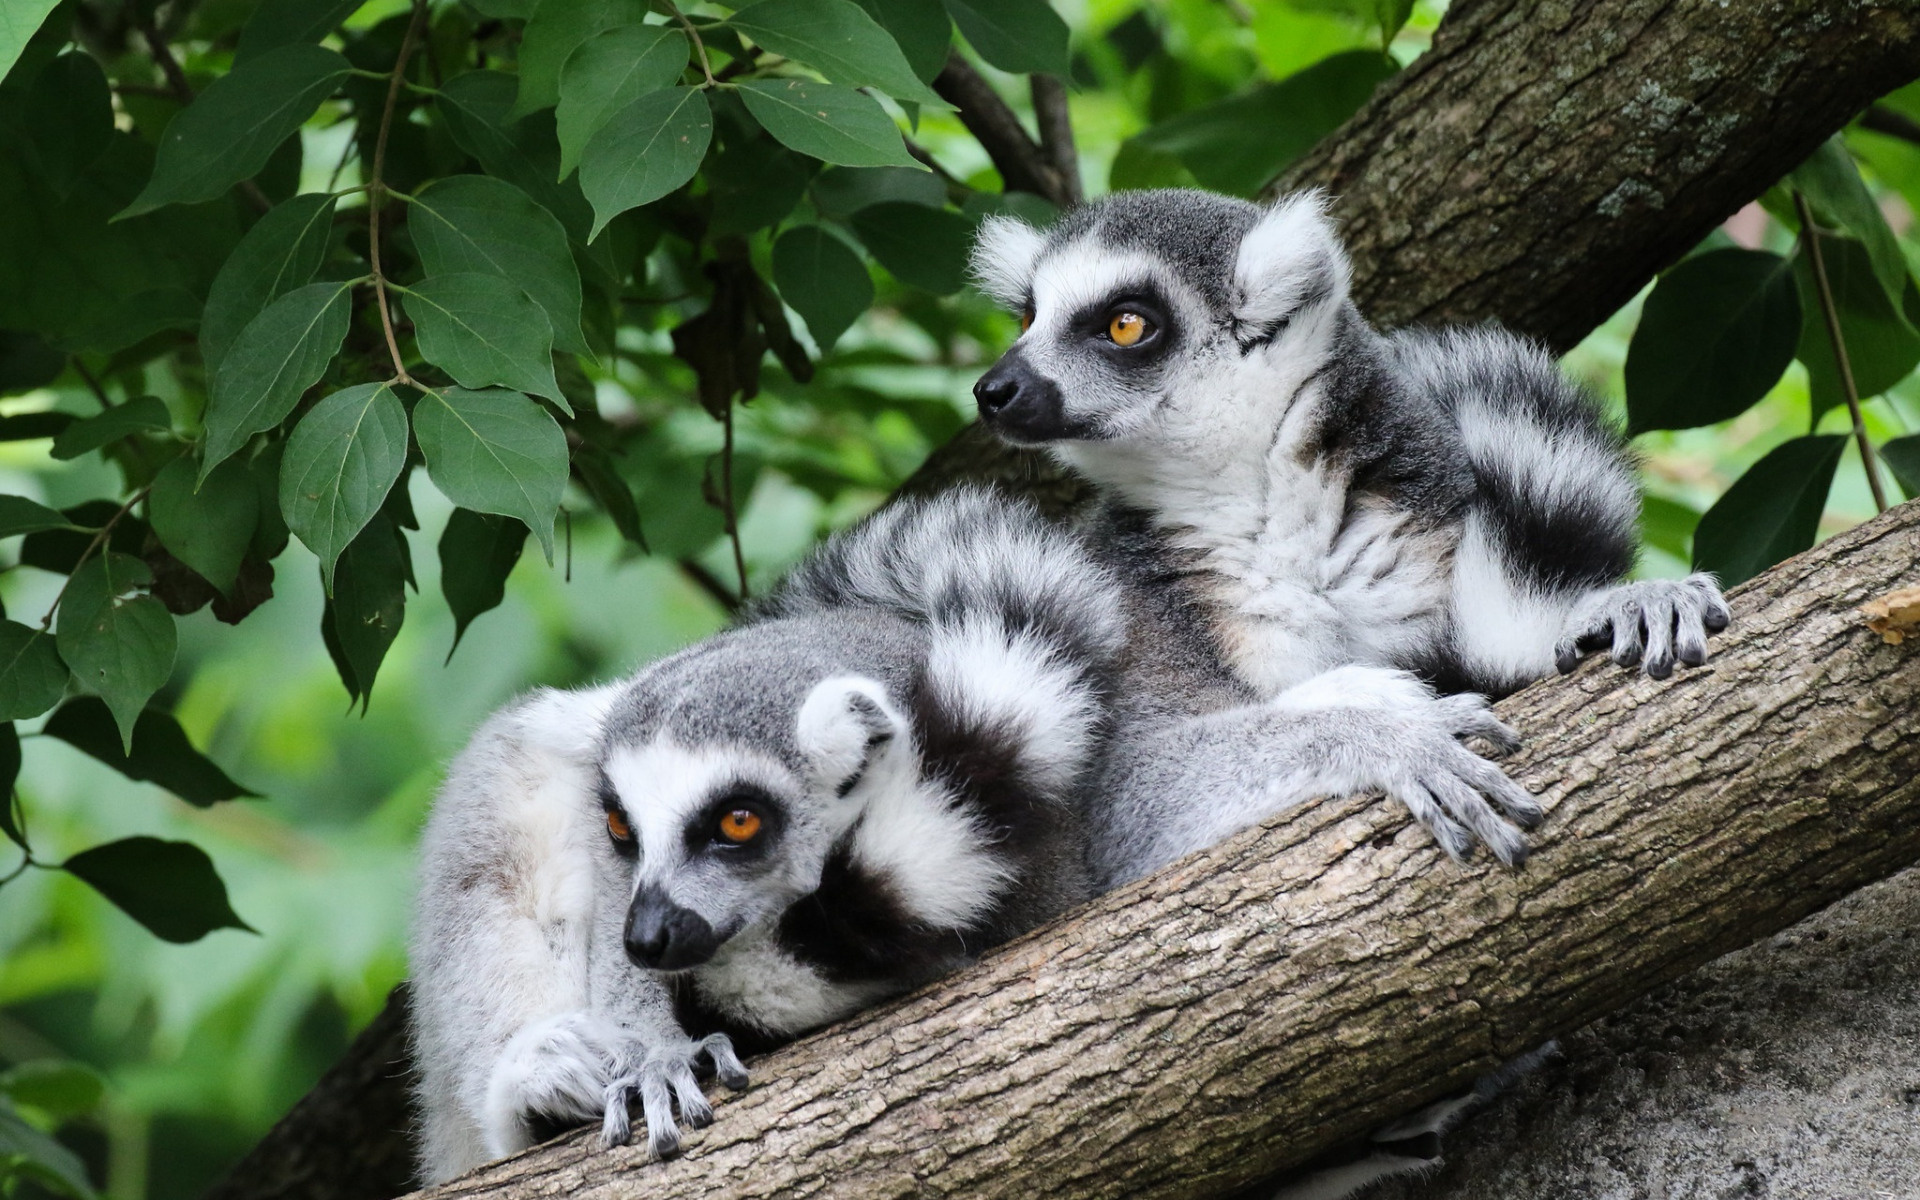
(729, 772)
(1144, 314)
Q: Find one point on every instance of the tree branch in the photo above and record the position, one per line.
(1055, 121)
(1295, 986)
(1022, 165)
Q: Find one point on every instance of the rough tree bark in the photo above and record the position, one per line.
(1586, 145)
(1298, 984)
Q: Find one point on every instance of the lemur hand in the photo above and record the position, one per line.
(662, 1076)
(1650, 622)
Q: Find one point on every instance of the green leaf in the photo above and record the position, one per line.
(553, 33)
(1392, 16)
(823, 279)
(137, 317)
(32, 677)
(19, 21)
(277, 357)
(60, 1089)
(497, 452)
(838, 39)
(754, 181)
(926, 247)
(119, 643)
(21, 515)
(1882, 347)
(27, 363)
(27, 427)
(25, 1152)
(1771, 513)
(1902, 456)
(69, 118)
(206, 524)
(1667, 525)
(603, 482)
(1020, 36)
(143, 414)
(1212, 141)
(161, 753)
(474, 223)
(1714, 337)
(278, 23)
(368, 605)
(645, 150)
(281, 252)
(474, 106)
(339, 465)
(1833, 185)
(477, 553)
(839, 192)
(170, 887)
(10, 820)
(921, 28)
(231, 129)
(831, 123)
(482, 330)
(60, 550)
(607, 72)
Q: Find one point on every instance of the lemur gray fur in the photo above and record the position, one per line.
(869, 781)
(1329, 523)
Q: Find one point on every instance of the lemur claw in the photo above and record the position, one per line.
(1651, 623)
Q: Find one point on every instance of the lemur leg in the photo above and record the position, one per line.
(1188, 783)
(1650, 622)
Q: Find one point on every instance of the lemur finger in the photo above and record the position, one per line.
(656, 1106)
(1469, 716)
(616, 1125)
(1520, 805)
(1690, 636)
(1627, 636)
(1451, 835)
(1718, 615)
(1657, 616)
(718, 1048)
(694, 1108)
(1566, 655)
(1475, 813)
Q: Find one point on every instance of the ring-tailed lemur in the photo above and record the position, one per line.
(1347, 521)
(870, 781)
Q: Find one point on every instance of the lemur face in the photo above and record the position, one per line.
(727, 796)
(1139, 311)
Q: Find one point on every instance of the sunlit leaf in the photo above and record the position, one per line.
(1771, 513)
(339, 465)
(206, 524)
(645, 150)
(483, 330)
(831, 123)
(495, 451)
(231, 129)
(1714, 337)
(161, 753)
(170, 887)
(555, 30)
(1020, 36)
(477, 553)
(277, 357)
(838, 39)
(473, 223)
(32, 677)
(281, 252)
(823, 279)
(926, 247)
(118, 642)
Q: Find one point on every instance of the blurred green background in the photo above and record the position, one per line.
(203, 1046)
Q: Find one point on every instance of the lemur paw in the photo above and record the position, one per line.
(664, 1077)
(1457, 794)
(1650, 622)
(551, 1076)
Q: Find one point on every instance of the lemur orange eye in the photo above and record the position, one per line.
(1128, 328)
(1026, 319)
(618, 827)
(740, 825)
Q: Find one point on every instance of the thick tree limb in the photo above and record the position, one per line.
(1295, 986)
(1023, 165)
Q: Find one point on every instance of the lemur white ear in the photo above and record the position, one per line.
(847, 728)
(1290, 260)
(1004, 254)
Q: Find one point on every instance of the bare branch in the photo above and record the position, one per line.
(1051, 114)
(1022, 165)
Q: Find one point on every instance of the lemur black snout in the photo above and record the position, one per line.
(662, 936)
(994, 394)
(1021, 404)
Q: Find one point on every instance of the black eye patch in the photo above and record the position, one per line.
(702, 831)
(1095, 323)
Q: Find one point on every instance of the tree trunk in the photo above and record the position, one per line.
(1297, 985)
(1675, 140)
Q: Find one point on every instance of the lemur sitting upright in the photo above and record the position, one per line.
(871, 780)
(1345, 521)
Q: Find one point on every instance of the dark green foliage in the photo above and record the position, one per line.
(160, 752)
(1771, 513)
(477, 553)
(1713, 338)
(170, 887)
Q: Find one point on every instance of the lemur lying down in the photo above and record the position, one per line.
(874, 778)
(1330, 523)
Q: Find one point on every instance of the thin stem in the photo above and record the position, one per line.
(1847, 387)
(99, 539)
(162, 53)
(699, 47)
(376, 191)
(710, 583)
(99, 393)
(726, 496)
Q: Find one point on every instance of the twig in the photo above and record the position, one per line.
(99, 538)
(1055, 122)
(1811, 236)
(699, 47)
(726, 498)
(710, 583)
(376, 192)
(142, 19)
(1892, 123)
(99, 393)
(1018, 158)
